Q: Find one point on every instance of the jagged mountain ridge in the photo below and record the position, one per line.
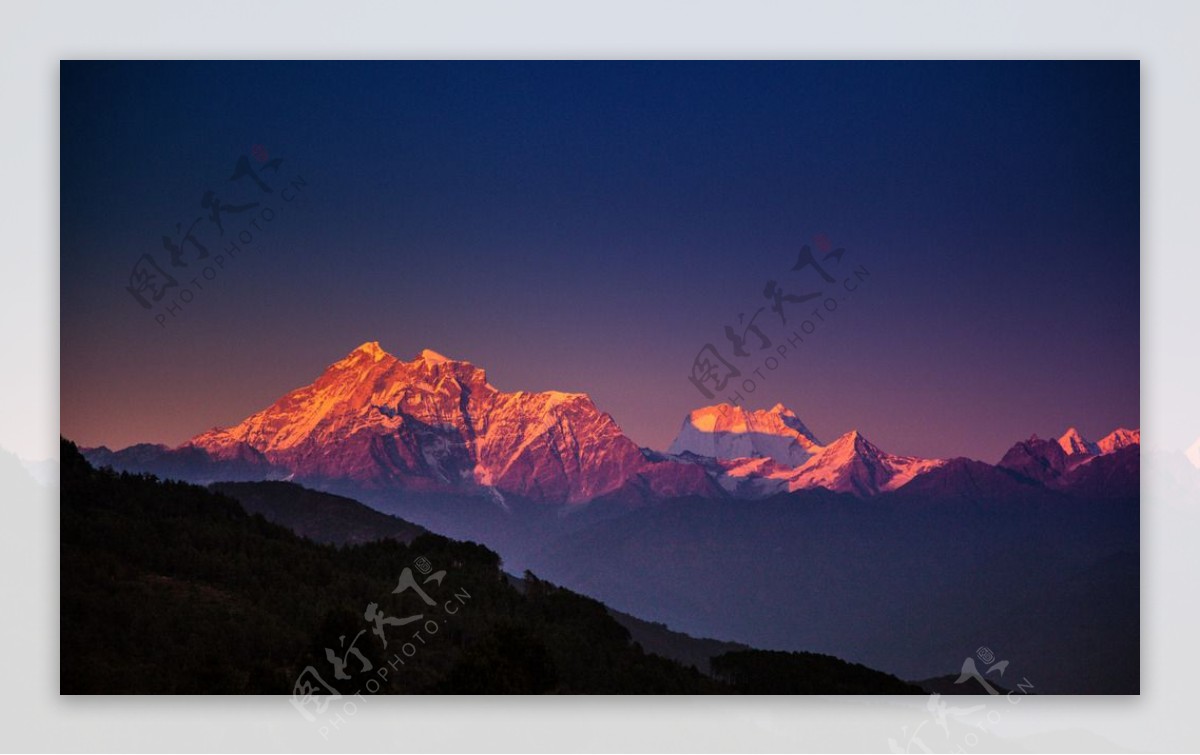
(758, 453)
(436, 424)
(1073, 443)
(371, 422)
(1078, 448)
(1104, 469)
(763, 452)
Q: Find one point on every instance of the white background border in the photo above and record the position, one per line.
(34, 37)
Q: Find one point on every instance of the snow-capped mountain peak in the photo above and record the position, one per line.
(368, 353)
(1073, 462)
(771, 451)
(855, 443)
(1073, 443)
(853, 464)
(789, 418)
(1079, 449)
(376, 424)
(372, 349)
(436, 424)
(1118, 439)
(725, 431)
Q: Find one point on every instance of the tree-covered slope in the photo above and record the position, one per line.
(173, 588)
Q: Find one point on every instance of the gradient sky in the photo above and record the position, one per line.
(589, 226)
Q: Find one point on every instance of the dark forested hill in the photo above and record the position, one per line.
(172, 588)
(765, 672)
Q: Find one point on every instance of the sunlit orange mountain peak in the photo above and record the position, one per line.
(436, 424)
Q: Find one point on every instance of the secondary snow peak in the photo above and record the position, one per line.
(1074, 444)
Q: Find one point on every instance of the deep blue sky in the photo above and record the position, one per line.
(589, 226)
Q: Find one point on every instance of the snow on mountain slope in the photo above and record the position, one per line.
(852, 464)
(1074, 444)
(1039, 460)
(760, 453)
(731, 432)
(375, 423)
(747, 477)
(1076, 447)
(436, 424)
(1118, 439)
(1072, 463)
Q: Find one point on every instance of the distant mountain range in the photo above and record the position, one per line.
(761, 453)
(747, 529)
(431, 425)
(373, 423)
